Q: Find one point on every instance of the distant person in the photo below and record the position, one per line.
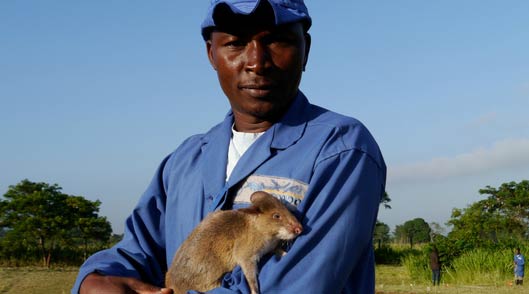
(435, 265)
(327, 166)
(519, 267)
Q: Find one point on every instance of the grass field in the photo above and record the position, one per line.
(34, 280)
(390, 280)
(394, 279)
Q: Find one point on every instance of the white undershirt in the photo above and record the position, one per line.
(239, 143)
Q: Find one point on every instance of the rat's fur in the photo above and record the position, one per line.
(228, 238)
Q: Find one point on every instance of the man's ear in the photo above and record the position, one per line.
(307, 49)
(210, 54)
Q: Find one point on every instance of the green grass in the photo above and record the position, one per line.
(390, 280)
(395, 279)
(35, 280)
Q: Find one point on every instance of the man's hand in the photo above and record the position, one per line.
(99, 284)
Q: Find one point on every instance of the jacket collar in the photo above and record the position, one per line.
(214, 148)
(292, 126)
(281, 135)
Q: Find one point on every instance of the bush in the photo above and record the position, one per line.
(481, 266)
(418, 267)
(484, 266)
(387, 255)
(394, 254)
(15, 256)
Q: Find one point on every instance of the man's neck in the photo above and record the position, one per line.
(247, 124)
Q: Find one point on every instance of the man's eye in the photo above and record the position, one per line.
(282, 41)
(236, 43)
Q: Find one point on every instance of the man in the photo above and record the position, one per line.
(327, 166)
(435, 266)
(519, 267)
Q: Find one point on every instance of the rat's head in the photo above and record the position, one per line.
(274, 218)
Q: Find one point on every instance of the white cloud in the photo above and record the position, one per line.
(502, 155)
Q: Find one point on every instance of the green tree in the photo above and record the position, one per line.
(88, 227)
(413, 231)
(510, 202)
(385, 200)
(499, 219)
(381, 234)
(115, 238)
(40, 215)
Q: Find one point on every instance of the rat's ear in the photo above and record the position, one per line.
(263, 200)
(258, 197)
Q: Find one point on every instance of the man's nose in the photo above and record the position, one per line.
(257, 57)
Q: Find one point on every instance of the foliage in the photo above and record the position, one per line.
(395, 279)
(413, 231)
(393, 254)
(481, 263)
(480, 247)
(502, 218)
(381, 234)
(478, 266)
(385, 200)
(381, 231)
(88, 226)
(38, 216)
(115, 238)
(417, 266)
(449, 249)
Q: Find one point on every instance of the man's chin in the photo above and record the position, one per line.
(272, 114)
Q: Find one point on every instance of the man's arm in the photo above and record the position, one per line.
(140, 256)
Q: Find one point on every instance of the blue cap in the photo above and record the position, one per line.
(285, 11)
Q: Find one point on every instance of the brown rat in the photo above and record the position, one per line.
(228, 238)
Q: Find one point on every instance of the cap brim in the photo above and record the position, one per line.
(282, 14)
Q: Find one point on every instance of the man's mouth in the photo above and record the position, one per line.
(257, 89)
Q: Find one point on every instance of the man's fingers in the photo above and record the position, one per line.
(144, 288)
(155, 290)
(97, 284)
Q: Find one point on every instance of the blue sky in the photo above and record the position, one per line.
(94, 94)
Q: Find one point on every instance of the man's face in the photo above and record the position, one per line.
(259, 68)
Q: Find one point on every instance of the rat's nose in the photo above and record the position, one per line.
(298, 229)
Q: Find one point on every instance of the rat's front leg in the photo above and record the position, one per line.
(249, 268)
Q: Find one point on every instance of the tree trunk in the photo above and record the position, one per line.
(46, 254)
(42, 250)
(85, 253)
(48, 259)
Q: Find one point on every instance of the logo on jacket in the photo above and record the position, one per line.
(287, 190)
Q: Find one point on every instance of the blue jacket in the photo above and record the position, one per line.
(519, 261)
(327, 165)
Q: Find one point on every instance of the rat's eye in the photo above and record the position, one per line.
(276, 216)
